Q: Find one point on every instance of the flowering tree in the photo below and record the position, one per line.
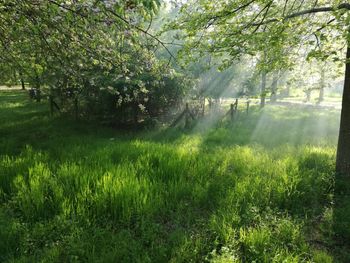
(86, 45)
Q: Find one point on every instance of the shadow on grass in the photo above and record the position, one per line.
(341, 218)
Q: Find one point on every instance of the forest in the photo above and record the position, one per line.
(175, 131)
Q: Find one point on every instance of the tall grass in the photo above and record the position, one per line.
(260, 190)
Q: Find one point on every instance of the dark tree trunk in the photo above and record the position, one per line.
(76, 108)
(37, 88)
(273, 97)
(263, 89)
(343, 152)
(136, 113)
(14, 81)
(22, 83)
(51, 104)
(38, 95)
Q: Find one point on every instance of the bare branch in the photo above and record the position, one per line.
(267, 7)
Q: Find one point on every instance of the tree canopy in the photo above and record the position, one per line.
(89, 46)
(271, 30)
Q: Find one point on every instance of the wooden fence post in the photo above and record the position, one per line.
(51, 104)
(187, 116)
(76, 108)
(203, 109)
(232, 111)
(248, 106)
(38, 94)
(136, 109)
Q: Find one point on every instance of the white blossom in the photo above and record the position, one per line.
(142, 108)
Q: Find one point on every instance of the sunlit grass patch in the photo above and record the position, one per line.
(76, 192)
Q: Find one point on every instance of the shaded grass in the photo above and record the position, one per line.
(261, 189)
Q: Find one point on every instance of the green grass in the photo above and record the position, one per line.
(258, 190)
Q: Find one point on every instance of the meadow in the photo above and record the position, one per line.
(261, 189)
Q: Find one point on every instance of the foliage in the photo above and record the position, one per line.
(89, 46)
(275, 32)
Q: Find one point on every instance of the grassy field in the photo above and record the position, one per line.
(258, 190)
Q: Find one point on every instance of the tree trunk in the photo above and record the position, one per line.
(343, 152)
(210, 102)
(308, 95)
(263, 89)
(288, 84)
(273, 97)
(322, 85)
(22, 81)
(76, 109)
(187, 117)
(203, 106)
(14, 81)
(38, 95)
(136, 113)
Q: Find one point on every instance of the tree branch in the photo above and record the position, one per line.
(143, 31)
(308, 11)
(121, 18)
